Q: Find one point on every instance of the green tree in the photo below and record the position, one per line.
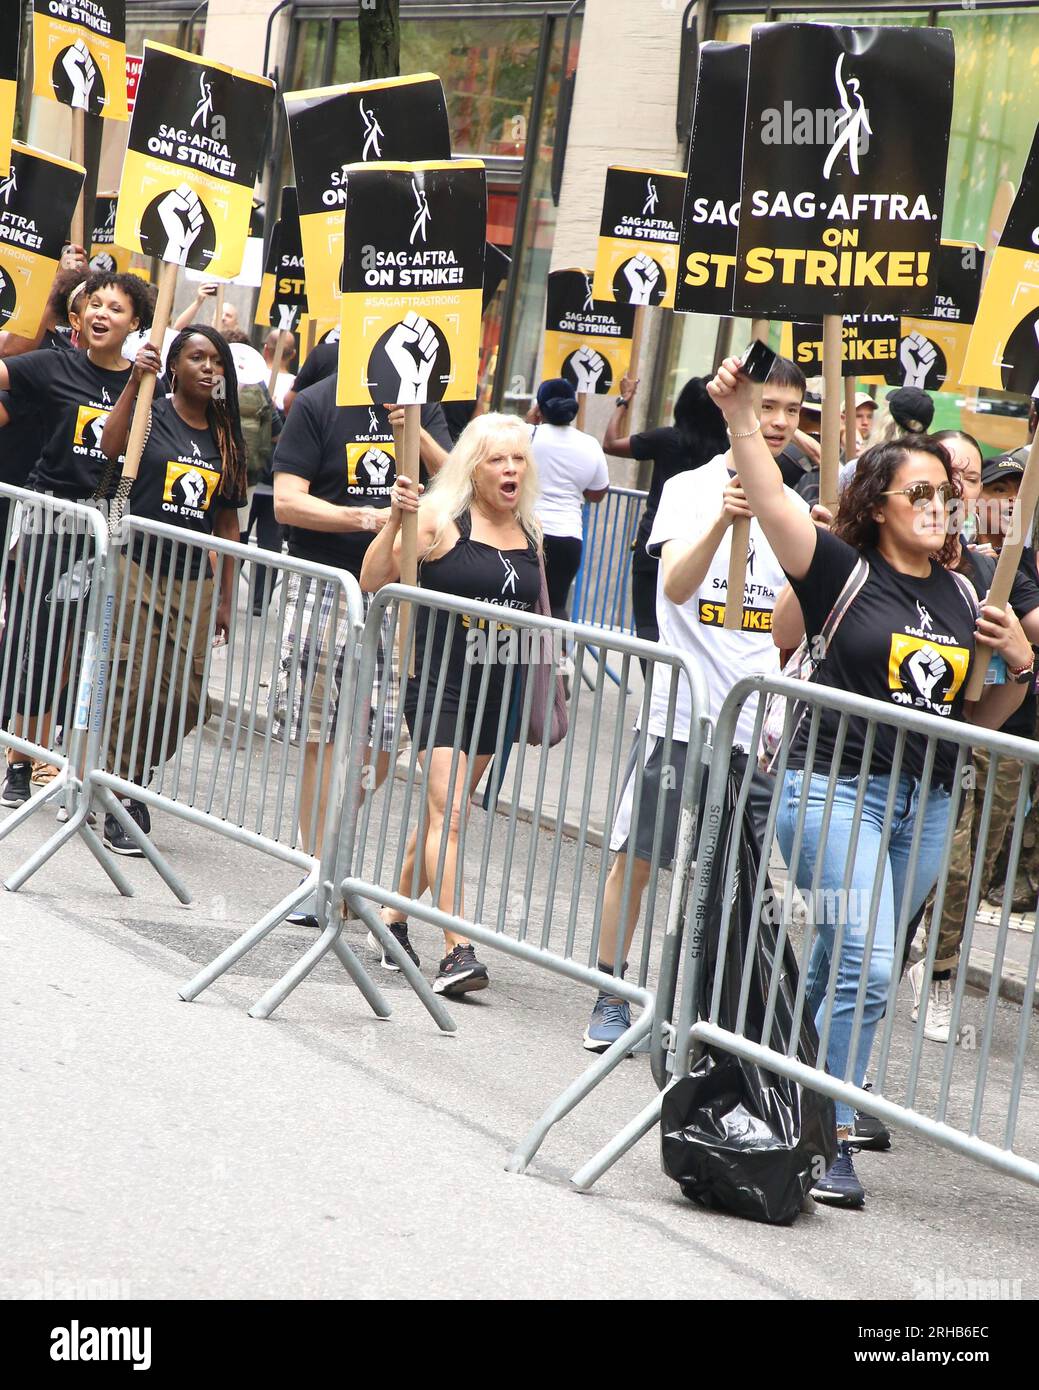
(378, 25)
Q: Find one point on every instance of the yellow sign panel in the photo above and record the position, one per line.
(79, 55)
(37, 196)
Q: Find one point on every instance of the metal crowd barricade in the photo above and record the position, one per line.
(966, 1094)
(54, 556)
(602, 588)
(516, 891)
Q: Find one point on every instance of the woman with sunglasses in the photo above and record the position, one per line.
(908, 640)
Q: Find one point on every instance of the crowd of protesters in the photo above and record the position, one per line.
(499, 521)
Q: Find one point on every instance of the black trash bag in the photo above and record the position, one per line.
(735, 1136)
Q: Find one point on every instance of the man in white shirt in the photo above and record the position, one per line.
(692, 536)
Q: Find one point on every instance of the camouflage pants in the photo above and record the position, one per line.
(964, 851)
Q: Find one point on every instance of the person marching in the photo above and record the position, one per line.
(478, 538)
(73, 391)
(571, 470)
(192, 474)
(893, 514)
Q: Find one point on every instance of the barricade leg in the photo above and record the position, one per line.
(247, 940)
(352, 896)
(619, 1145)
(34, 804)
(577, 1092)
(75, 825)
(113, 806)
(328, 940)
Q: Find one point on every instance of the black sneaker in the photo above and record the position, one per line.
(16, 788)
(840, 1187)
(868, 1132)
(116, 838)
(460, 973)
(400, 931)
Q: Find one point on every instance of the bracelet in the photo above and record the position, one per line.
(622, 404)
(747, 433)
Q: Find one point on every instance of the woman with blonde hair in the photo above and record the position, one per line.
(478, 539)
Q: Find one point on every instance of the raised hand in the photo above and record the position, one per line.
(412, 350)
(642, 274)
(180, 213)
(588, 367)
(917, 355)
(81, 72)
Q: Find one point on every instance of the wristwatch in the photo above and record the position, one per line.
(1022, 675)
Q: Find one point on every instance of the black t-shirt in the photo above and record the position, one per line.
(75, 397)
(322, 360)
(346, 453)
(1024, 599)
(179, 481)
(794, 464)
(25, 434)
(904, 641)
(670, 455)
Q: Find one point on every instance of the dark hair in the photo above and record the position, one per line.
(223, 414)
(787, 373)
(699, 422)
(557, 401)
(862, 494)
(940, 436)
(138, 292)
(65, 281)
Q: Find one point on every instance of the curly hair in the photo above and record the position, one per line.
(223, 413)
(863, 493)
(138, 292)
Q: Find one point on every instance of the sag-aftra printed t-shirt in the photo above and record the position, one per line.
(346, 453)
(905, 641)
(75, 398)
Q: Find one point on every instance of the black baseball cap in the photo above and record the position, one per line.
(1010, 465)
(910, 406)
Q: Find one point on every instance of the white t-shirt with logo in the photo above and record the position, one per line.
(689, 506)
(569, 463)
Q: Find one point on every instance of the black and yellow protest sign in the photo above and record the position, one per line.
(412, 282)
(933, 347)
(711, 210)
(105, 254)
(289, 298)
(196, 139)
(636, 261)
(330, 128)
(37, 196)
(79, 55)
(1003, 352)
(586, 341)
(10, 49)
(869, 345)
(844, 161)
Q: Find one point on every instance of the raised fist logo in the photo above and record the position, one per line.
(93, 431)
(376, 463)
(81, 72)
(588, 367)
(412, 350)
(927, 667)
(8, 186)
(180, 213)
(642, 274)
(192, 488)
(103, 261)
(917, 355)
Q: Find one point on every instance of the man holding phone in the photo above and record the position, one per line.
(692, 536)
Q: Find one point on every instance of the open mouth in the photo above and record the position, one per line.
(509, 490)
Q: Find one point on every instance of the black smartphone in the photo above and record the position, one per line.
(756, 362)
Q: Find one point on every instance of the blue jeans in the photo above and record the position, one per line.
(899, 883)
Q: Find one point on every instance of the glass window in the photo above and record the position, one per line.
(309, 59)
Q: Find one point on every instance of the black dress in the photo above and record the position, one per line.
(481, 572)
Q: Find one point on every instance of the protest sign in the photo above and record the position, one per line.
(711, 209)
(330, 128)
(586, 342)
(412, 282)
(79, 55)
(105, 253)
(37, 196)
(841, 211)
(289, 299)
(10, 49)
(933, 348)
(637, 257)
(134, 63)
(196, 139)
(869, 345)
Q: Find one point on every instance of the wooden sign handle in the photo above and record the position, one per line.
(406, 444)
(831, 421)
(157, 336)
(218, 307)
(78, 155)
(739, 531)
(851, 434)
(279, 352)
(637, 332)
(582, 404)
(1009, 559)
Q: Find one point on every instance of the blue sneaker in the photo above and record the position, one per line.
(840, 1187)
(610, 1018)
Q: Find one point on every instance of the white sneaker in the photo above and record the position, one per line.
(938, 1014)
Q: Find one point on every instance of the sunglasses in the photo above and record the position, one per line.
(920, 494)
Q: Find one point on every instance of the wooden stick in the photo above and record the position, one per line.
(831, 422)
(739, 531)
(1009, 560)
(279, 352)
(311, 338)
(78, 155)
(142, 408)
(851, 434)
(218, 311)
(406, 448)
(637, 331)
(582, 405)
